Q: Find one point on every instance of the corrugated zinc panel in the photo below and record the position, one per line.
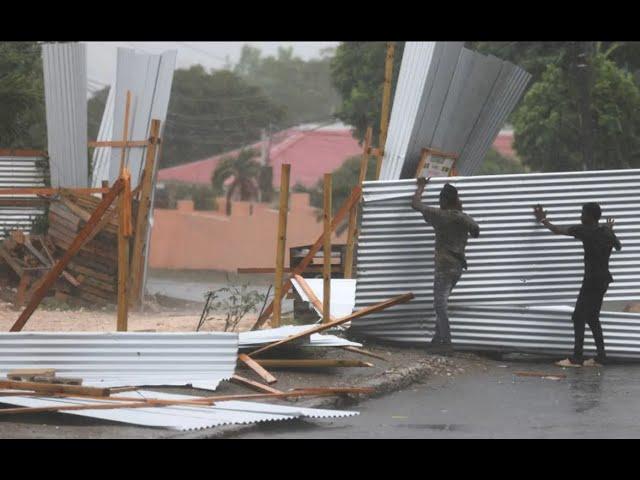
(65, 88)
(541, 330)
(183, 417)
(515, 262)
(21, 170)
(200, 359)
(457, 101)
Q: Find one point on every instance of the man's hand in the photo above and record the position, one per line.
(539, 212)
(610, 222)
(423, 181)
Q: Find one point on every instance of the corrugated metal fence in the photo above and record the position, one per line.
(515, 262)
(21, 169)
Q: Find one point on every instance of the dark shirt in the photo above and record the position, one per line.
(597, 240)
(452, 229)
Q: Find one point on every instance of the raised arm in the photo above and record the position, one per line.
(541, 217)
(616, 242)
(416, 202)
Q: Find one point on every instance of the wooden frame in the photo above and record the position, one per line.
(326, 250)
(283, 213)
(386, 103)
(427, 153)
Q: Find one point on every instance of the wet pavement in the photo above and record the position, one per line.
(588, 403)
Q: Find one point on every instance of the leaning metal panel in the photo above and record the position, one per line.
(515, 262)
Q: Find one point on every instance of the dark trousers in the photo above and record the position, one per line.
(444, 281)
(587, 312)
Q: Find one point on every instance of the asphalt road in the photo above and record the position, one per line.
(589, 403)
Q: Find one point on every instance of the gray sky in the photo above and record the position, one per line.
(101, 56)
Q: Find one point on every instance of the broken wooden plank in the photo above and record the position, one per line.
(361, 351)
(539, 374)
(257, 368)
(304, 263)
(55, 388)
(245, 382)
(312, 363)
(58, 380)
(310, 294)
(22, 372)
(55, 272)
(325, 326)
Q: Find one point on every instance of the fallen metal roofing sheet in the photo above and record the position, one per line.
(200, 359)
(256, 338)
(343, 294)
(451, 99)
(65, 89)
(23, 171)
(183, 417)
(529, 330)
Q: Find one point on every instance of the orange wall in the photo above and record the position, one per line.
(186, 239)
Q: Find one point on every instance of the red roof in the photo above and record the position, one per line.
(311, 153)
(504, 144)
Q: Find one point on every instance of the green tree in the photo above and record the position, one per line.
(244, 170)
(357, 71)
(548, 124)
(302, 88)
(209, 113)
(22, 116)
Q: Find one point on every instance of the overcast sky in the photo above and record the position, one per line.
(101, 56)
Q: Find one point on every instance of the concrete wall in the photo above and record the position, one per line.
(188, 239)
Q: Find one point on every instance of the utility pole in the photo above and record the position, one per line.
(582, 70)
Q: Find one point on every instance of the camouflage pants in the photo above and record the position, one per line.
(444, 281)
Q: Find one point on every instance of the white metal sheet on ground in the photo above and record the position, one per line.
(183, 417)
(65, 89)
(256, 338)
(343, 294)
(102, 359)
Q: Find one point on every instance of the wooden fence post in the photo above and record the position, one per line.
(282, 240)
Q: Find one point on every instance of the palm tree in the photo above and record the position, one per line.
(244, 170)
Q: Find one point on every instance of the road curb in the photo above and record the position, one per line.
(389, 381)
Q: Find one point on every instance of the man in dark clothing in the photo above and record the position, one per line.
(452, 228)
(597, 240)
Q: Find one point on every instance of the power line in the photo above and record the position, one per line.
(203, 52)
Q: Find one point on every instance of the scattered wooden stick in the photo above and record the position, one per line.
(257, 368)
(361, 351)
(304, 263)
(201, 401)
(325, 326)
(55, 388)
(312, 363)
(310, 294)
(245, 382)
(539, 374)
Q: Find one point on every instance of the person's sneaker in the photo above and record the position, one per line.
(568, 362)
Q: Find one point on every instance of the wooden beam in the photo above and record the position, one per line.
(49, 191)
(281, 242)
(325, 326)
(539, 374)
(386, 103)
(46, 388)
(152, 403)
(245, 382)
(352, 234)
(123, 251)
(257, 368)
(310, 294)
(337, 219)
(119, 143)
(312, 363)
(261, 270)
(75, 246)
(326, 270)
(142, 219)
